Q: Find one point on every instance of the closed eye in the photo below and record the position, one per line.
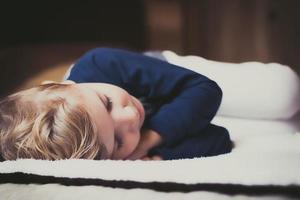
(108, 103)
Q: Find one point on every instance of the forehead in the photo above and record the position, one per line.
(89, 99)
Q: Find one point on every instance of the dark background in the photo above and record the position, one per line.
(37, 35)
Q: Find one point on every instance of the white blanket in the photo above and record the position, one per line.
(266, 154)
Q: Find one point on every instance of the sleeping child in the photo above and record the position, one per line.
(118, 105)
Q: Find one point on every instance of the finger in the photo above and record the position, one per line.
(136, 155)
(47, 82)
(68, 82)
(156, 158)
(146, 158)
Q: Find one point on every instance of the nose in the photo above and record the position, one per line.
(132, 114)
(128, 118)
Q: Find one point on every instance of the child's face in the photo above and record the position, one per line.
(119, 125)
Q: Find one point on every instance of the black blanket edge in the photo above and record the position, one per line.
(222, 188)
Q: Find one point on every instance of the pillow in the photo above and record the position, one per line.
(250, 89)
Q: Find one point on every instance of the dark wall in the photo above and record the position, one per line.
(238, 30)
(31, 22)
(229, 30)
(35, 35)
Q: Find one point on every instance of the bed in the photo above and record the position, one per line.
(264, 163)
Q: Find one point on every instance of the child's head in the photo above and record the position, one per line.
(60, 120)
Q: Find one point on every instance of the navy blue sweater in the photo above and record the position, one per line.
(182, 102)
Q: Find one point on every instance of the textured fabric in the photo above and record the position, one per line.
(211, 140)
(184, 101)
(148, 107)
(250, 89)
(155, 54)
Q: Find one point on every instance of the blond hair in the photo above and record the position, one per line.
(42, 123)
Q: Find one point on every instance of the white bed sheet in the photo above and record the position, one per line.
(268, 134)
(265, 153)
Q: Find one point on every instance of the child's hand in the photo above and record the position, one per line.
(156, 157)
(148, 140)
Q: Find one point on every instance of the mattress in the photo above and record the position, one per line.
(264, 164)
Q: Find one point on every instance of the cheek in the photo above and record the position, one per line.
(129, 145)
(106, 133)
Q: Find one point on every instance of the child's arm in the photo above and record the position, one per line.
(188, 101)
(214, 140)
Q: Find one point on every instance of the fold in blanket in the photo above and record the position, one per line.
(292, 191)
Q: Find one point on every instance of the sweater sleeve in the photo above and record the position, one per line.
(213, 140)
(188, 100)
